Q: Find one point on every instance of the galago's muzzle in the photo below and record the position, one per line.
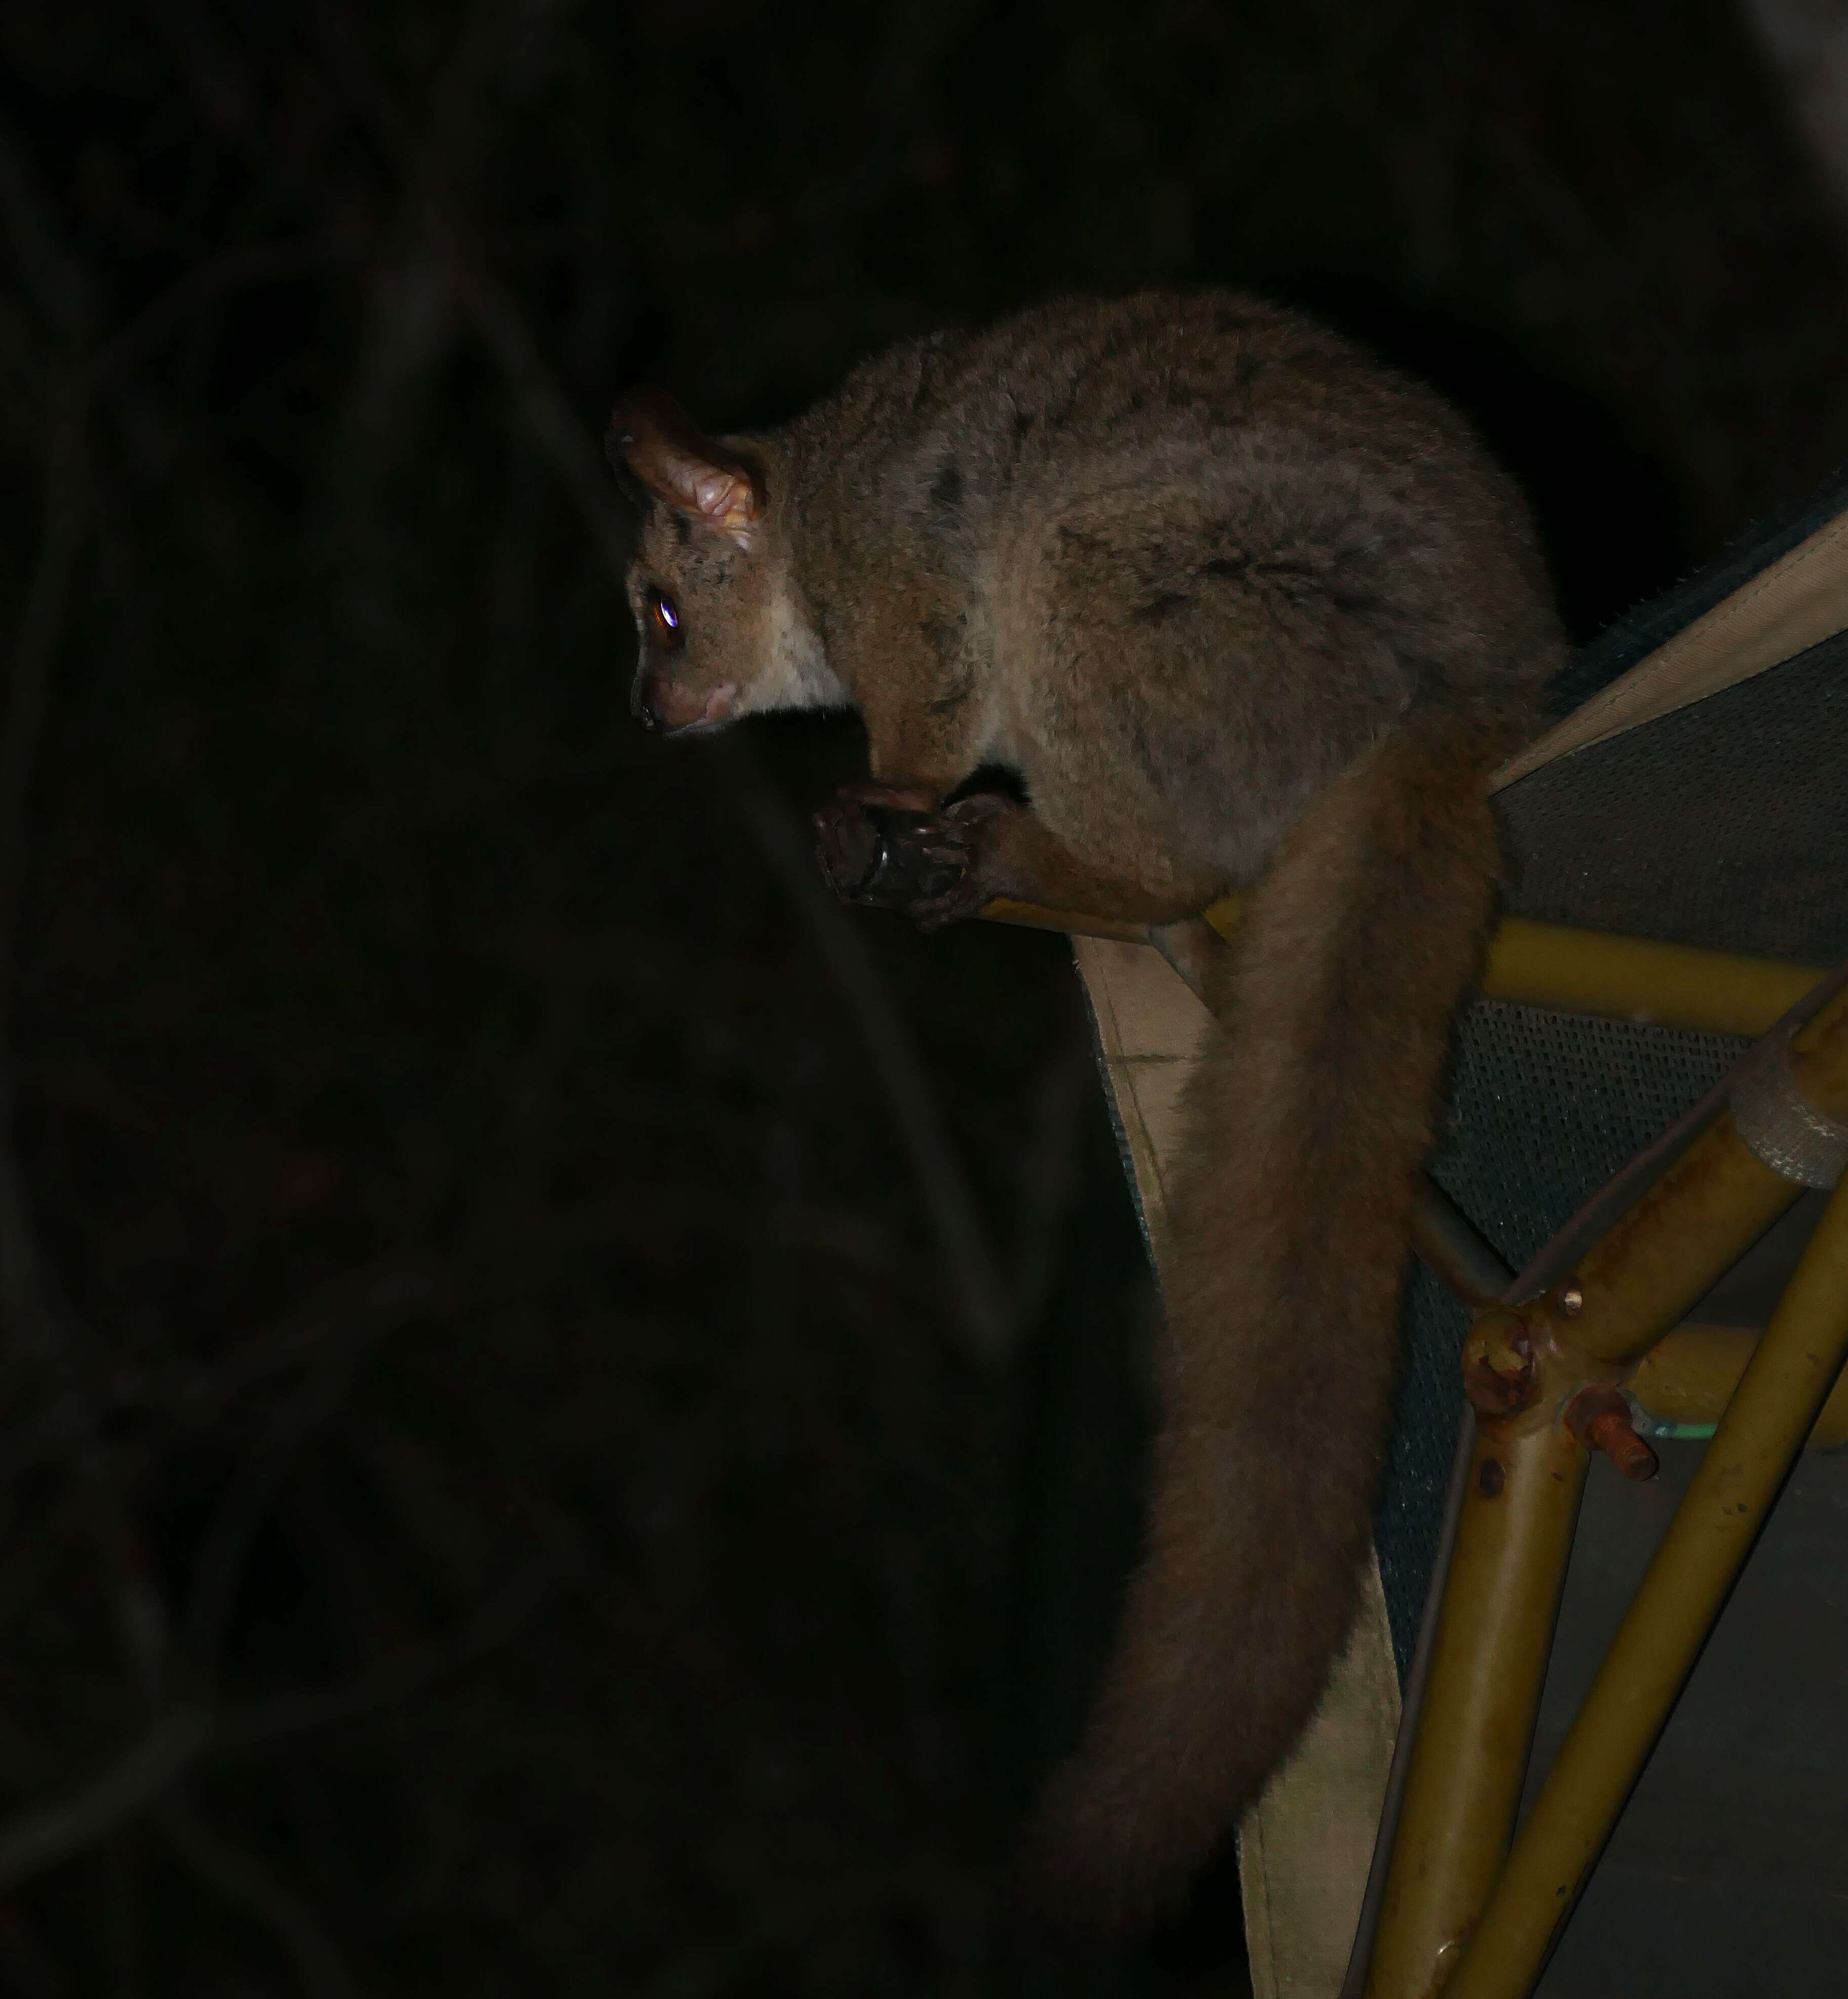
(657, 702)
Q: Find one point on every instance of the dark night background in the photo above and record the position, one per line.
(570, 1410)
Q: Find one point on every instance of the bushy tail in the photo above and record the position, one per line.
(1310, 1114)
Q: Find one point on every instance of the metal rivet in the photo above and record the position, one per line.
(1572, 1300)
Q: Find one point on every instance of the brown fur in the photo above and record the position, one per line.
(1238, 605)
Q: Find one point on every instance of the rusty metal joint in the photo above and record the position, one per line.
(1599, 1417)
(1500, 1366)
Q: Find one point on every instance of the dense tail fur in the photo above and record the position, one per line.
(1311, 1112)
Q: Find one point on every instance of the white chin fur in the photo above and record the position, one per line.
(796, 673)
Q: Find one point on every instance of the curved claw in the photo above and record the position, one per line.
(979, 808)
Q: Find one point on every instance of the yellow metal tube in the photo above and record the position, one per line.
(1487, 1661)
(1685, 1233)
(1635, 978)
(1689, 1228)
(1688, 1377)
(1785, 1385)
(1554, 965)
(1037, 916)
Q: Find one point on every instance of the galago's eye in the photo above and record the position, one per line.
(664, 615)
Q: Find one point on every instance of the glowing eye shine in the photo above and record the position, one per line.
(665, 614)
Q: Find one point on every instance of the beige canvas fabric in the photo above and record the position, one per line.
(1799, 601)
(1304, 1848)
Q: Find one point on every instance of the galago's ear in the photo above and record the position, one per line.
(653, 438)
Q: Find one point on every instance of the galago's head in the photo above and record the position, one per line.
(720, 631)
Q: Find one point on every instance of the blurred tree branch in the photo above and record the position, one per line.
(1807, 43)
(234, 1872)
(184, 1737)
(69, 1825)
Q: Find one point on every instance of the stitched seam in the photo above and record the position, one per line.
(1722, 614)
(1670, 651)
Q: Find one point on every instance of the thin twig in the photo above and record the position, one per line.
(203, 285)
(34, 1313)
(268, 1464)
(350, 1309)
(28, 676)
(495, 1621)
(361, 1307)
(319, 1965)
(981, 1293)
(549, 415)
(42, 1837)
(25, 1310)
(39, 1839)
(51, 275)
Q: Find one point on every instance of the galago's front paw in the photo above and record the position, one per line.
(893, 857)
(961, 840)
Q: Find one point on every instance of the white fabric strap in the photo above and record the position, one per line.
(1781, 1127)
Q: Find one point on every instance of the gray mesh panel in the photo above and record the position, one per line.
(1725, 824)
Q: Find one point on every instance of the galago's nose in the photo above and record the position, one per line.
(658, 701)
